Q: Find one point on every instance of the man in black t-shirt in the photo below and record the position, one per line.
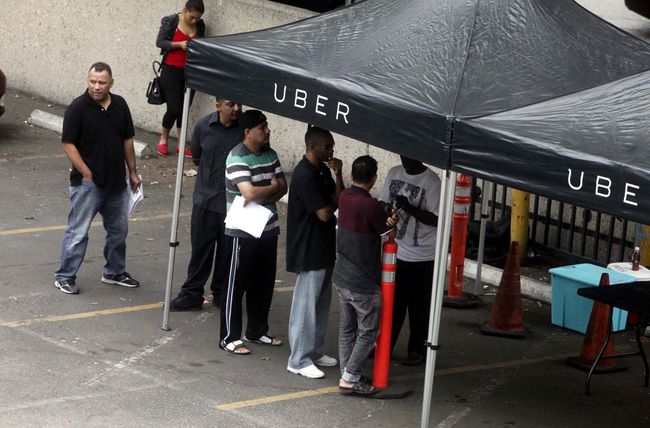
(311, 251)
(98, 139)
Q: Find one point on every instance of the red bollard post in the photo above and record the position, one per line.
(382, 351)
(456, 298)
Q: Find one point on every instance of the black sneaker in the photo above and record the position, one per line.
(413, 360)
(68, 286)
(123, 279)
(184, 303)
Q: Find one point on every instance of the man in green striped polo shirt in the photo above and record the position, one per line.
(253, 172)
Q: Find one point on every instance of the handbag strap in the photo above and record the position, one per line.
(156, 71)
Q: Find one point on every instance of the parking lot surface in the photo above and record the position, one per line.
(100, 358)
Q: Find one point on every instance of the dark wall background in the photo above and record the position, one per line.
(642, 7)
(314, 5)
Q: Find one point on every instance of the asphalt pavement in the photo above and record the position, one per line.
(100, 358)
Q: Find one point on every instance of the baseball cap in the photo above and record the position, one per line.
(251, 118)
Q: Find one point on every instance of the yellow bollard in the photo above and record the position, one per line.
(644, 245)
(519, 220)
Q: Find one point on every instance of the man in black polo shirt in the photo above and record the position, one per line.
(311, 251)
(98, 139)
(213, 138)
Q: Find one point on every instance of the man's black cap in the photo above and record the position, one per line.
(251, 118)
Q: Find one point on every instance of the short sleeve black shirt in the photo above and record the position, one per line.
(311, 243)
(99, 136)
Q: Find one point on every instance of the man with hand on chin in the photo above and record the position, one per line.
(311, 251)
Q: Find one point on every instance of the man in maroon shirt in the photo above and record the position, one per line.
(362, 221)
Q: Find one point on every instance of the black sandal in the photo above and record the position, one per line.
(358, 388)
(233, 346)
(265, 339)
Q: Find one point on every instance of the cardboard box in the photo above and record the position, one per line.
(571, 311)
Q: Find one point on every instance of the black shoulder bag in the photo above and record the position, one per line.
(154, 91)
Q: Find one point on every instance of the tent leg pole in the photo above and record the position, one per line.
(177, 202)
(487, 189)
(447, 188)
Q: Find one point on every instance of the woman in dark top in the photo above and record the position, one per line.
(175, 32)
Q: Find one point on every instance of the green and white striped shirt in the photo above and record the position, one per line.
(243, 165)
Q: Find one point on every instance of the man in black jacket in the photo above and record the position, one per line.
(213, 138)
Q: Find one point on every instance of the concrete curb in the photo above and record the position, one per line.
(55, 123)
(530, 287)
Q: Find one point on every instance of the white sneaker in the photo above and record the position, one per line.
(326, 361)
(310, 371)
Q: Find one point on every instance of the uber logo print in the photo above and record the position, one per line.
(603, 187)
(302, 99)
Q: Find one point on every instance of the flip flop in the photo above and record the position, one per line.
(265, 339)
(233, 346)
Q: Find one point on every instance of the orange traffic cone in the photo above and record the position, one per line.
(505, 319)
(595, 339)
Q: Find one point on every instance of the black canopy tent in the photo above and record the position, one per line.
(437, 80)
(537, 94)
(588, 148)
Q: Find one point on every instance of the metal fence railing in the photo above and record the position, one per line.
(561, 233)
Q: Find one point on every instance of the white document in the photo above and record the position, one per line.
(251, 218)
(134, 197)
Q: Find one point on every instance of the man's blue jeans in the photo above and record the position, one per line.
(312, 297)
(86, 201)
(358, 329)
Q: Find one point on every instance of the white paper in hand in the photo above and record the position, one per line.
(251, 218)
(134, 197)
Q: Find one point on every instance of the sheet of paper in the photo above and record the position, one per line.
(134, 197)
(251, 218)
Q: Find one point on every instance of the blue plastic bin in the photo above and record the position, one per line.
(571, 311)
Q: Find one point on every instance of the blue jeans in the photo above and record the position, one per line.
(310, 309)
(358, 329)
(86, 201)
